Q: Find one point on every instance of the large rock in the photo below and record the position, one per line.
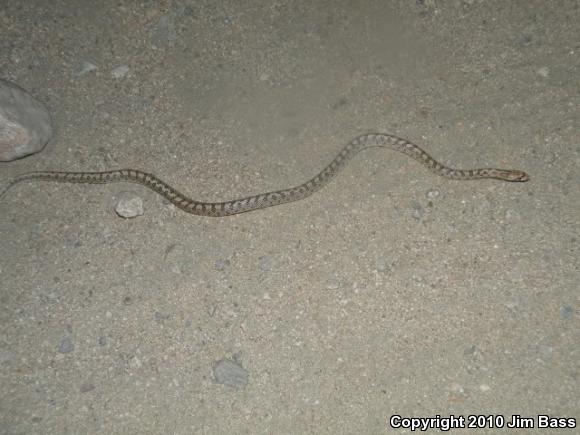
(25, 125)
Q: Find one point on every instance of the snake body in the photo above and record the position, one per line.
(269, 199)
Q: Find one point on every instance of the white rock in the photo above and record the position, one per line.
(120, 71)
(544, 71)
(86, 67)
(129, 205)
(25, 125)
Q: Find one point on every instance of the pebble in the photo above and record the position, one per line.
(266, 263)
(165, 30)
(175, 256)
(129, 205)
(85, 68)
(66, 345)
(86, 387)
(543, 71)
(418, 211)
(229, 372)
(120, 72)
(381, 265)
(221, 264)
(25, 125)
(566, 311)
(160, 317)
(332, 284)
(432, 194)
(457, 388)
(135, 362)
(525, 39)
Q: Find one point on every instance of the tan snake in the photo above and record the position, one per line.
(269, 199)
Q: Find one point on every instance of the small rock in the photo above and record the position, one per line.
(229, 372)
(6, 356)
(66, 345)
(120, 72)
(135, 362)
(546, 351)
(543, 71)
(85, 68)
(25, 125)
(165, 30)
(175, 256)
(432, 194)
(418, 211)
(525, 39)
(457, 388)
(381, 265)
(160, 317)
(86, 387)
(333, 284)
(221, 264)
(566, 311)
(266, 263)
(470, 351)
(129, 205)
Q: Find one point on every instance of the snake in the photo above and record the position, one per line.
(277, 197)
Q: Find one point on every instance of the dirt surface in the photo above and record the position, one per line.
(392, 291)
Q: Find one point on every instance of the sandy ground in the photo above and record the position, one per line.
(390, 292)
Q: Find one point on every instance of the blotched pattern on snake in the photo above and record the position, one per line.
(269, 199)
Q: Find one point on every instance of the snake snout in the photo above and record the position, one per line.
(519, 176)
(511, 175)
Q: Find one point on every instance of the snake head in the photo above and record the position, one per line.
(517, 176)
(512, 175)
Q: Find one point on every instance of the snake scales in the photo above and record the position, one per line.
(269, 199)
